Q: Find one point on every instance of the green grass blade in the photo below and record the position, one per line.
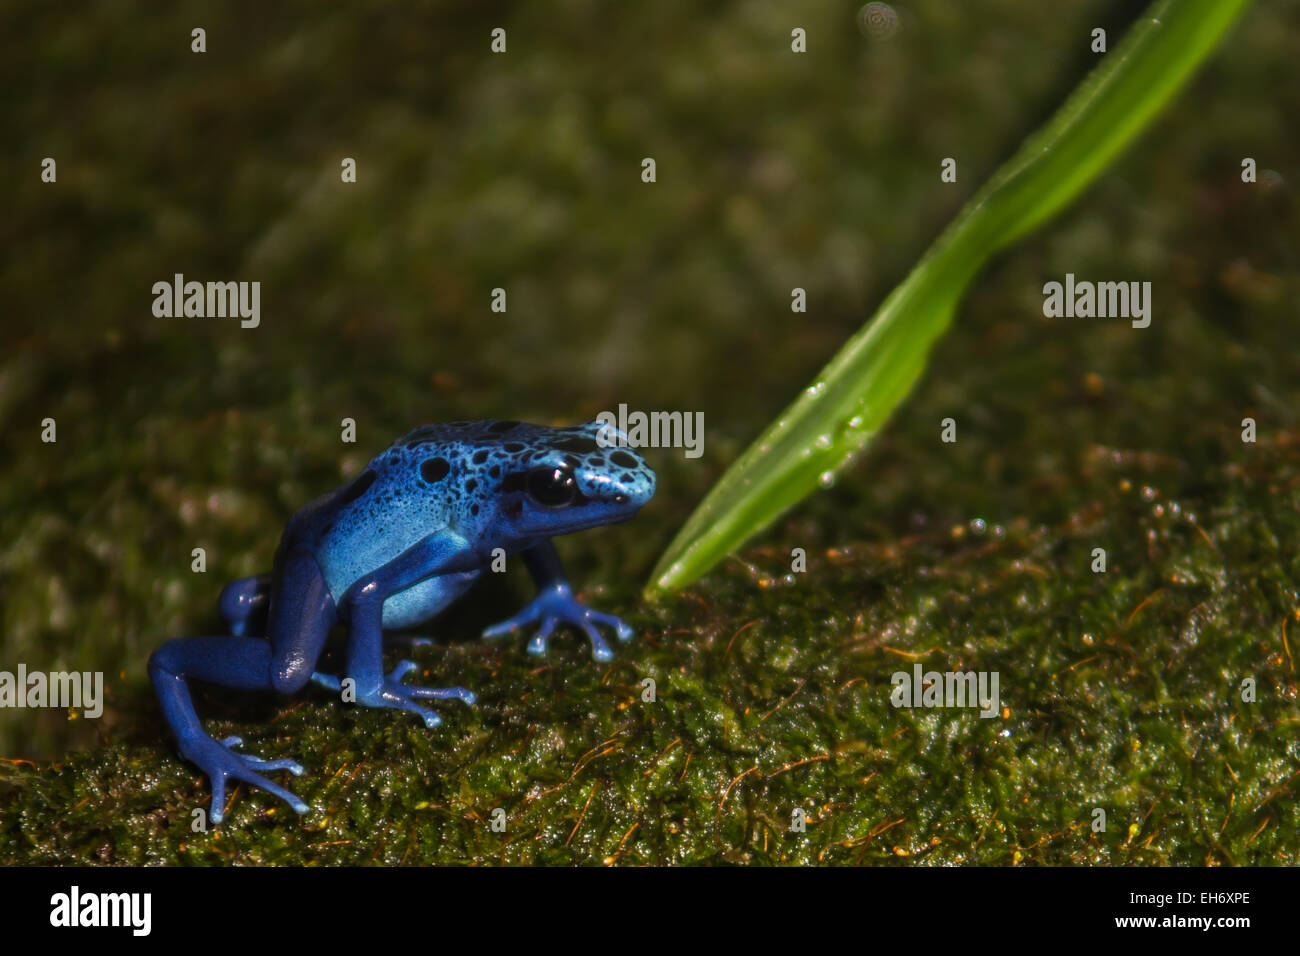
(853, 396)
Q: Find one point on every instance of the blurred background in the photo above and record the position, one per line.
(523, 171)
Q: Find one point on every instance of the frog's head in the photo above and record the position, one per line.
(512, 481)
(567, 479)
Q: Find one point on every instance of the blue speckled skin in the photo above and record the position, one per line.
(393, 548)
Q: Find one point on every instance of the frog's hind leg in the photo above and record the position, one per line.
(243, 663)
(300, 615)
(243, 605)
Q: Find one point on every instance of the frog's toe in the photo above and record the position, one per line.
(559, 606)
(328, 681)
(403, 668)
(257, 763)
(575, 613)
(526, 616)
(217, 812)
(220, 763)
(399, 697)
(621, 628)
(462, 694)
(393, 694)
(600, 650)
(537, 644)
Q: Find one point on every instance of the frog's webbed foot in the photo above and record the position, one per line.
(394, 694)
(220, 763)
(557, 605)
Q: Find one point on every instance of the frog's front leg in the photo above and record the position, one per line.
(442, 553)
(555, 604)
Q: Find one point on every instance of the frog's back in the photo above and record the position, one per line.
(424, 483)
(381, 513)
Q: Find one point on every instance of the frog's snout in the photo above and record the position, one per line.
(639, 490)
(614, 471)
(618, 477)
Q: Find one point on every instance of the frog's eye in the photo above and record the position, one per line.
(552, 487)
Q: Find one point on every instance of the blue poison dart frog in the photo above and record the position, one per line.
(393, 548)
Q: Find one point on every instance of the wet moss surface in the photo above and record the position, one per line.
(1122, 690)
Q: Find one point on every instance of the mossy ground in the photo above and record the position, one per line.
(1122, 690)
